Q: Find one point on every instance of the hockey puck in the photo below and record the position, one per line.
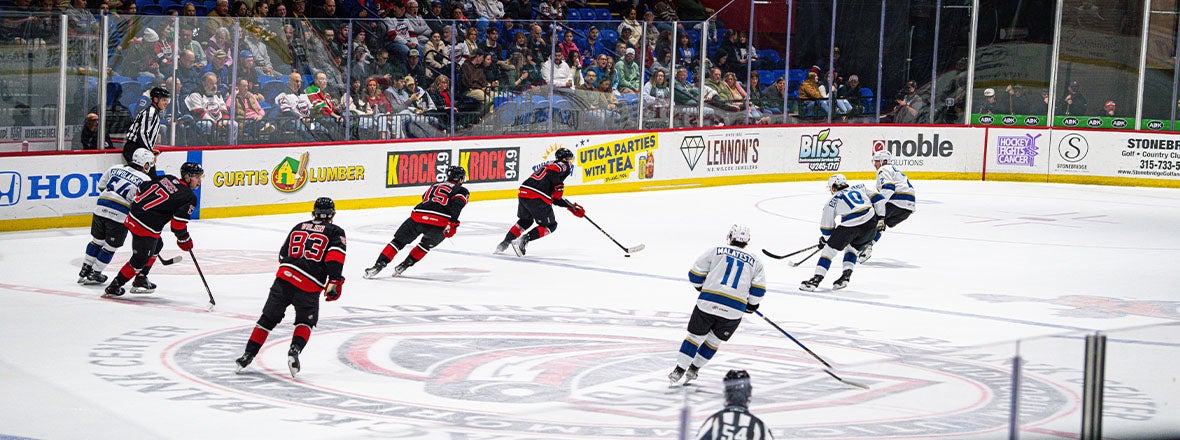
(627, 255)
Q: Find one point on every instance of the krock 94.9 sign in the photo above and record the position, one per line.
(490, 164)
(416, 168)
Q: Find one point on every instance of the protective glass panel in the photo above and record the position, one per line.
(1140, 379)
(1013, 60)
(858, 37)
(30, 65)
(905, 85)
(950, 87)
(1160, 73)
(83, 61)
(1098, 64)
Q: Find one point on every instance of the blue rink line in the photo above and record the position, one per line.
(543, 262)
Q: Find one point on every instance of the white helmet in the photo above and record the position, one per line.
(838, 180)
(739, 234)
(143, 158)
(883, 155)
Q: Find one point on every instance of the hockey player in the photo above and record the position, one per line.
(119, 186)
(735, 421)
(167, 200)
(535, 201)
(310, 262)
(900, 200)
(731, 281)
(848, 224)
(436, 218)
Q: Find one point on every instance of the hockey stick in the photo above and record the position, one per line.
(812, 353)
(792, 254)
(170, 261)
(629, 250)
(808, 257)
(202, 274)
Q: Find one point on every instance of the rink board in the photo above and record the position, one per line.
(43, 191)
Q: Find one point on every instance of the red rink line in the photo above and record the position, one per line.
(202, 310)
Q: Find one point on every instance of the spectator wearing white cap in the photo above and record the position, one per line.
(627, 78)
(988, 106)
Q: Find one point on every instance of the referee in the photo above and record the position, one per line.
(735, 420)
(143, 130)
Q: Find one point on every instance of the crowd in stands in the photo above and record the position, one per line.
(300, 72)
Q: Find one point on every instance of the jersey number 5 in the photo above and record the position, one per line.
(307, 245)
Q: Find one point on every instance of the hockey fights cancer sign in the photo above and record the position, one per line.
(615, 160)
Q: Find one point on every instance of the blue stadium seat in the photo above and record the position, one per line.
(609, 36)
(867, 99)
(602, 15)
(146, 80)
(272, 89)
(151, 9)
(797, 75)
(575, 16)
(131, 92)
(694, 37)
(765, 77)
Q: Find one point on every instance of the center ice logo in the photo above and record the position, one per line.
(819, 152)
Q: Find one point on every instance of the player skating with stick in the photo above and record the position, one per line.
(119, 186)
(899, 194)
(436, 218)
(536, 198)
(848, 224)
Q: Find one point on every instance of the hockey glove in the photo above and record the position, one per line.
(577, 210)
(880, 225)
(751, 308)
(450, 230)
(185, 244)
(334, 289)
(823, 241)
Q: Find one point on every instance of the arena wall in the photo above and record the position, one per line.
(39, 191)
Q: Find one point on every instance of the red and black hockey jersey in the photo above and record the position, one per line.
(160, 201)
(547, 183)
(313, 254)
(441, 204)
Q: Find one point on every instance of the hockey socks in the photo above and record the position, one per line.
(538, 232)
(387, 254)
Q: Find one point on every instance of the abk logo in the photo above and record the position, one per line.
(1094, 122)
(691, 148)
(986, 119)
(1032, 120)
(1073, 147)
(1070, 121)
(1009, 120)
(9, 188)
(1155, 125)
(1118, 123)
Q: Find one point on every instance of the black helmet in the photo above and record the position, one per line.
(456, 173)
(737, 387)
(324, 209)
(563, 154)
(191, 169)
(159, 92)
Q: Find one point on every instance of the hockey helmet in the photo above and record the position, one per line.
(564, 154)
(456, 173)
(882, 156)
(191, 169)
(159, 92)
(143, 158)
(737, 387)
(837, 182)
(739, 234)
(324, 208)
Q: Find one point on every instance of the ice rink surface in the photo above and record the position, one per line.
(574, 340)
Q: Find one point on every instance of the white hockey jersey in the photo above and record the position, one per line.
(852, 206)
(895, 187)
(728, 279)
(119, 185)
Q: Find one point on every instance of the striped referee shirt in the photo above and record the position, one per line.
(733, 422)
(145, 126)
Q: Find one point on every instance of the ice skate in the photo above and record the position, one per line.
(500, 248)
(113, 291)
(94, 278)
(842, 282)
(397, 270)
(243, 361)
(811, 284)
(82, 274)
(675, 375)
(293, 360)
(691, 374)
(519, 245)
(865, 253)
(372, 271)
(142, 285)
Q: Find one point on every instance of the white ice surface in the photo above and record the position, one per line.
(574, 340)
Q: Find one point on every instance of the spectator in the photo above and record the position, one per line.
(219, 64)
(627, 78)
(848, 100)
(566, 45)
(1072, 103)
(809, 92)
(1108, 110)
(438, 54)
(329, 114)
(360, 67)
(248, 112)
(434, 17)
(523, 74)
(187, 72)
(239, 9)
(491, 44)
(520, 44)
(909, 105)
(589, 81)
(729, 56)
(1018, 102)
(461, 22)
(630, 22)
(488, 11)
(376, 105)
(474, 81)
(714, 80)
(296, 107)
(440, 94)
(415, 68)
(469, 45)
(219, 41)
(593, 46)
(538, 43)
(260, 52)
(418, 101)
(382, 66)
(656, 92)
(557, 72)
(162, 49)
(208, 106)
(688, 96)
(219, 18)
(400, 38)
(988, 106)
(188, 10)
(686, 54)
(601, 68)
(603, 106)
(328, 10)
(493, 70)
(415, 23)
(187, 43)
(87, 139)
(247, 70)
(665, 64)
(1040, 106)
(518, 9)
(773, 94)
